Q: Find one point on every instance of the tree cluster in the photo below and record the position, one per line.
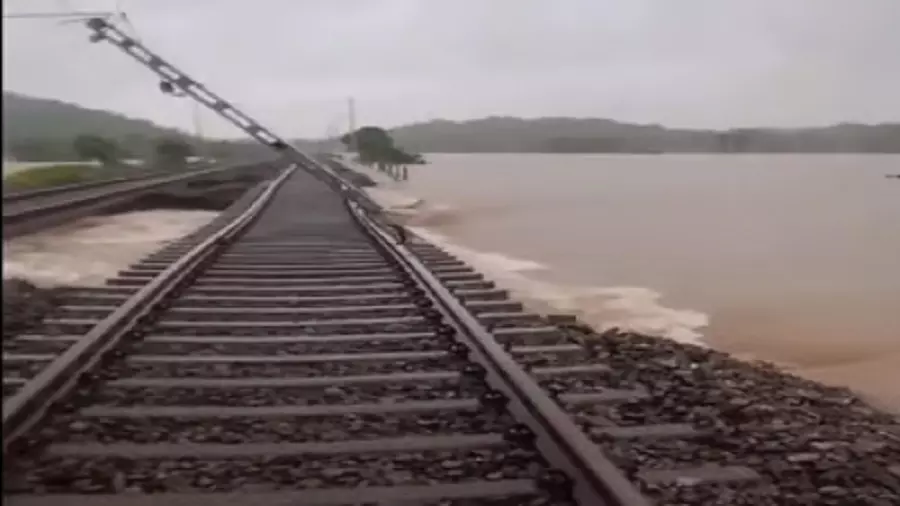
(375, 146)
(165, 151)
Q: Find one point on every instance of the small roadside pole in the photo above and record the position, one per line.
(397, 172)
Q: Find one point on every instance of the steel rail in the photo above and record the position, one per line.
(17, 196)
(53, 190)
(597, 481)
(127, 187)
(31, 403)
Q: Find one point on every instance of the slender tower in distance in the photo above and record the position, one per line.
(199, 151)
(351, 112)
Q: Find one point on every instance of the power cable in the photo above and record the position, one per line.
(52, 15)
(123, 16)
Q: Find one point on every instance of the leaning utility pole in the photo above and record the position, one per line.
(176, 82)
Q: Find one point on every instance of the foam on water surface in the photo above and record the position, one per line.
(634, 308)
(89, 251)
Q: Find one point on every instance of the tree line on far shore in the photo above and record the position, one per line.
(168, 151)
(104, 150)
(598, 135)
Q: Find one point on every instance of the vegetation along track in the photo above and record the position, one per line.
(299, 357)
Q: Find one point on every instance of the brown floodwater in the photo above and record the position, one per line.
(793, 259)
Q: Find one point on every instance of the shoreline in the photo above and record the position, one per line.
(403, 207)
(641, 306)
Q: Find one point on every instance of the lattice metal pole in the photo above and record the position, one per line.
(173, 78)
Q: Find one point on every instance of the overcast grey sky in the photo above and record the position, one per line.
(292, 63)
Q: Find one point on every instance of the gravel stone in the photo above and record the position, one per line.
(554, 360)
(344, 394)
(816, 444)
(23, 369)
(323, 347)
(385, 299)
(25, 305)
(332, 318)
(78, 475)
(235, 370)
(307, 330)
(310, 291)
(14, 345)
(68, 428)
(506, 501)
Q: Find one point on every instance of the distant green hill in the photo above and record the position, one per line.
(36, 129)
(597, 135)
(27, 118)
(39, 129)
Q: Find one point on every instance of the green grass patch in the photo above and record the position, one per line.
(55, 175)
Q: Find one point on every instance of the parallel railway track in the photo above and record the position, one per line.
(300, 357)
(26, 212)
(19, 196)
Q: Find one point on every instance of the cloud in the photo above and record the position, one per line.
(292, 64)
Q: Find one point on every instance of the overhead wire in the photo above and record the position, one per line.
(68, 14)
(195, 110)
(51, 15)
(123, 16)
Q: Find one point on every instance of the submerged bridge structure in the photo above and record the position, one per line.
(298, 352)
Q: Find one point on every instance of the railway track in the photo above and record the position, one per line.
(55, 190)
(26, 212)
(299, 357)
